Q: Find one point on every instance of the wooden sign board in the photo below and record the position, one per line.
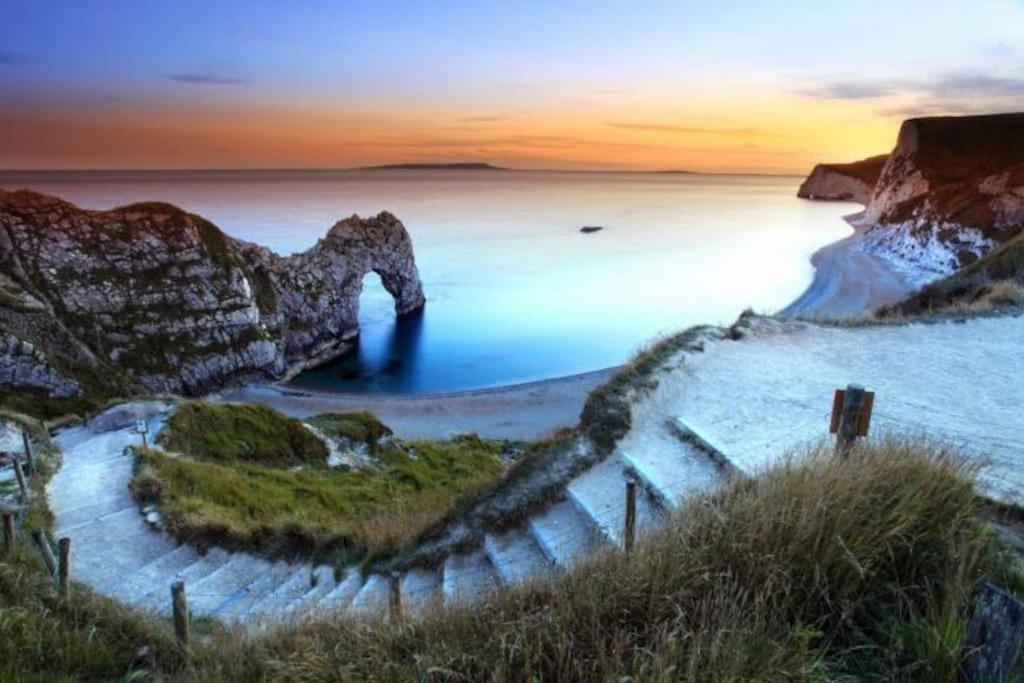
(863, 417)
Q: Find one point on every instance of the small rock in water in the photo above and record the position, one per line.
(587, 229)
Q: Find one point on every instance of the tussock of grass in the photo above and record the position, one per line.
(228, 433)
(819, 569)
(362, 427)
(363, 512)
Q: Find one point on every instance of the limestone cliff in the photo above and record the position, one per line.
(854, 181)
(951, 191)
(149, 297)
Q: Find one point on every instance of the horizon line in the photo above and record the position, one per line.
(412, 166)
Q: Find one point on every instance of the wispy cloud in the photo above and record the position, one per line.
(8, 58)
(687, 130)
(205, 78)
(961, 92)
(486, 118)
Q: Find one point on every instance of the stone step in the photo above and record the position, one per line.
(160, 599)
(690, 431)
(600, 494)
(341, 595)
(564, 534)
(676, 474)
(150, 577)
(220, 589)
(69, 520)
(516, 556)
(272, 607)
(115, 546)
(275, 574)
(323, 577)
(372, 598)
(466, 576)
(420, 590)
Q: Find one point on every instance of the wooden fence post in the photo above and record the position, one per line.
(179, 603)
(64, 568)
(395, 597)
(22, 483)
(30, 457)
(994, 637)
(44, 548)
(10, 537)
(629, 533)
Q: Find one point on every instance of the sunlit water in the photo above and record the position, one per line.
(514, 291)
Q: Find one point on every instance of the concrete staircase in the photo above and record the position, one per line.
(119, 554)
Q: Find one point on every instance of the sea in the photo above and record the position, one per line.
(515, 291)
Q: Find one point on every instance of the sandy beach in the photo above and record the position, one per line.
(521, 411)
(846, 282)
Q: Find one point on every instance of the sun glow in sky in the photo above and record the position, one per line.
(597, 84)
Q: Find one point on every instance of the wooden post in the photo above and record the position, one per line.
(64, 568)
(44, 548)
(10, 538)
(395, 597)
(179, 602)
(994, 637)
(30, 457)
(22, 483)
(629, 533)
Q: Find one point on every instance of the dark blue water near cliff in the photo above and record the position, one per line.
(515, 292)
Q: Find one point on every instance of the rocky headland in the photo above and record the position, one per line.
(951, 191)
(847, 182)
(150, 298)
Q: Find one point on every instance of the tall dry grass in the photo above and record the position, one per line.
(820, 568)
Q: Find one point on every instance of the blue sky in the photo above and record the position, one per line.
(614, 84)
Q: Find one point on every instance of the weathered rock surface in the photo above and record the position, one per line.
(848, 182)
(951, 191)
(150, 297)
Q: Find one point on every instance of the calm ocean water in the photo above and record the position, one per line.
(514, 291)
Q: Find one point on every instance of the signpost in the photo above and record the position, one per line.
(142, 428)
(851, 415)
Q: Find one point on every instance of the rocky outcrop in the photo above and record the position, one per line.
(846, 182)
(951, 191)
(151, 297)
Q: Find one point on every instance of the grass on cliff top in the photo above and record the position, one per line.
(819, 569)
(362, 427)
(241, 433)
(360, 513)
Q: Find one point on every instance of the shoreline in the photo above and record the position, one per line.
(846, 282)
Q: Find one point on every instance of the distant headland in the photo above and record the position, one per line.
(458, 166)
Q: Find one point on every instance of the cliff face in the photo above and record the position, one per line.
(148, 296)
(934, 152)
(951, 191)
(854, 181)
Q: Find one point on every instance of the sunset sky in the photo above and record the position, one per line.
(716, 86)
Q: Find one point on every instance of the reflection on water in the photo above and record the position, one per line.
(514, 291)
(386, 360)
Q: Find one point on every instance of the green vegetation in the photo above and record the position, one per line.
(994, 281)
(234, 486)
(241, 433)
(819, 569)
(363, 427)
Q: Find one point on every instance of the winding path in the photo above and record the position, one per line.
(737, 404)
